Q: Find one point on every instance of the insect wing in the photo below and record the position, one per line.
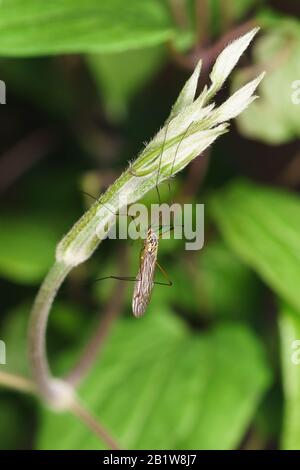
(144, 283)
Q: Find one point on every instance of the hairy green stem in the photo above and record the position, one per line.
(192, 126)
(75, 248)
(38, 327)
(111, 312)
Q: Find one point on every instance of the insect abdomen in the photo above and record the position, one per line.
(145, 278)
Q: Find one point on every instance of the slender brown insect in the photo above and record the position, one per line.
(148, 259)
(144, 281)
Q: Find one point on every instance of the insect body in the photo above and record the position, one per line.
(145, 279)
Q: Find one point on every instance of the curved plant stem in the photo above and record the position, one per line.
(113, 309)
(16, 382)
(22, 384)
(191, 128)
(91, 422)
(38, 326)
(84, 237)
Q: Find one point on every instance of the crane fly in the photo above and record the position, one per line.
(145, 278)
(144, 281)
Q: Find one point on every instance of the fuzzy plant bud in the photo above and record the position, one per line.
(193, 125)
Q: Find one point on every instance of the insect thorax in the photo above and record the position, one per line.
(151, 242)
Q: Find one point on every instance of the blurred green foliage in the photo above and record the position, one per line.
(135, 67)
(36, 28)
(277, 52)
(149, 368)
(210, 364)
(263, 225)
(289, 330)
(27, 248)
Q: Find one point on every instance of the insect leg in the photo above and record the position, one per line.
(139, 172)
(90, 195)
(146, 172)
(170, 229)
(175, 155)
(164, 273)
(104, 205)
(120, 278)
(159, 164)
(132, 279)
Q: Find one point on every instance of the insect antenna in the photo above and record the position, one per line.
(159, 164)
(88, 194)
(102, 203)
(172, 165)
(174, 159)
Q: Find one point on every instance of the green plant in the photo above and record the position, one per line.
(192, 126)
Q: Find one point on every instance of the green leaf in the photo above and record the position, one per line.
(40, 83)
(274, 118)
(12, 418)
(213, 285)
(36, 27)
(262, 225)
(120, 76)
(289, 324)
(157, 385)
(238, 9)
(14, 331)
(226, 286)
(66, 322)
(27, 247)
